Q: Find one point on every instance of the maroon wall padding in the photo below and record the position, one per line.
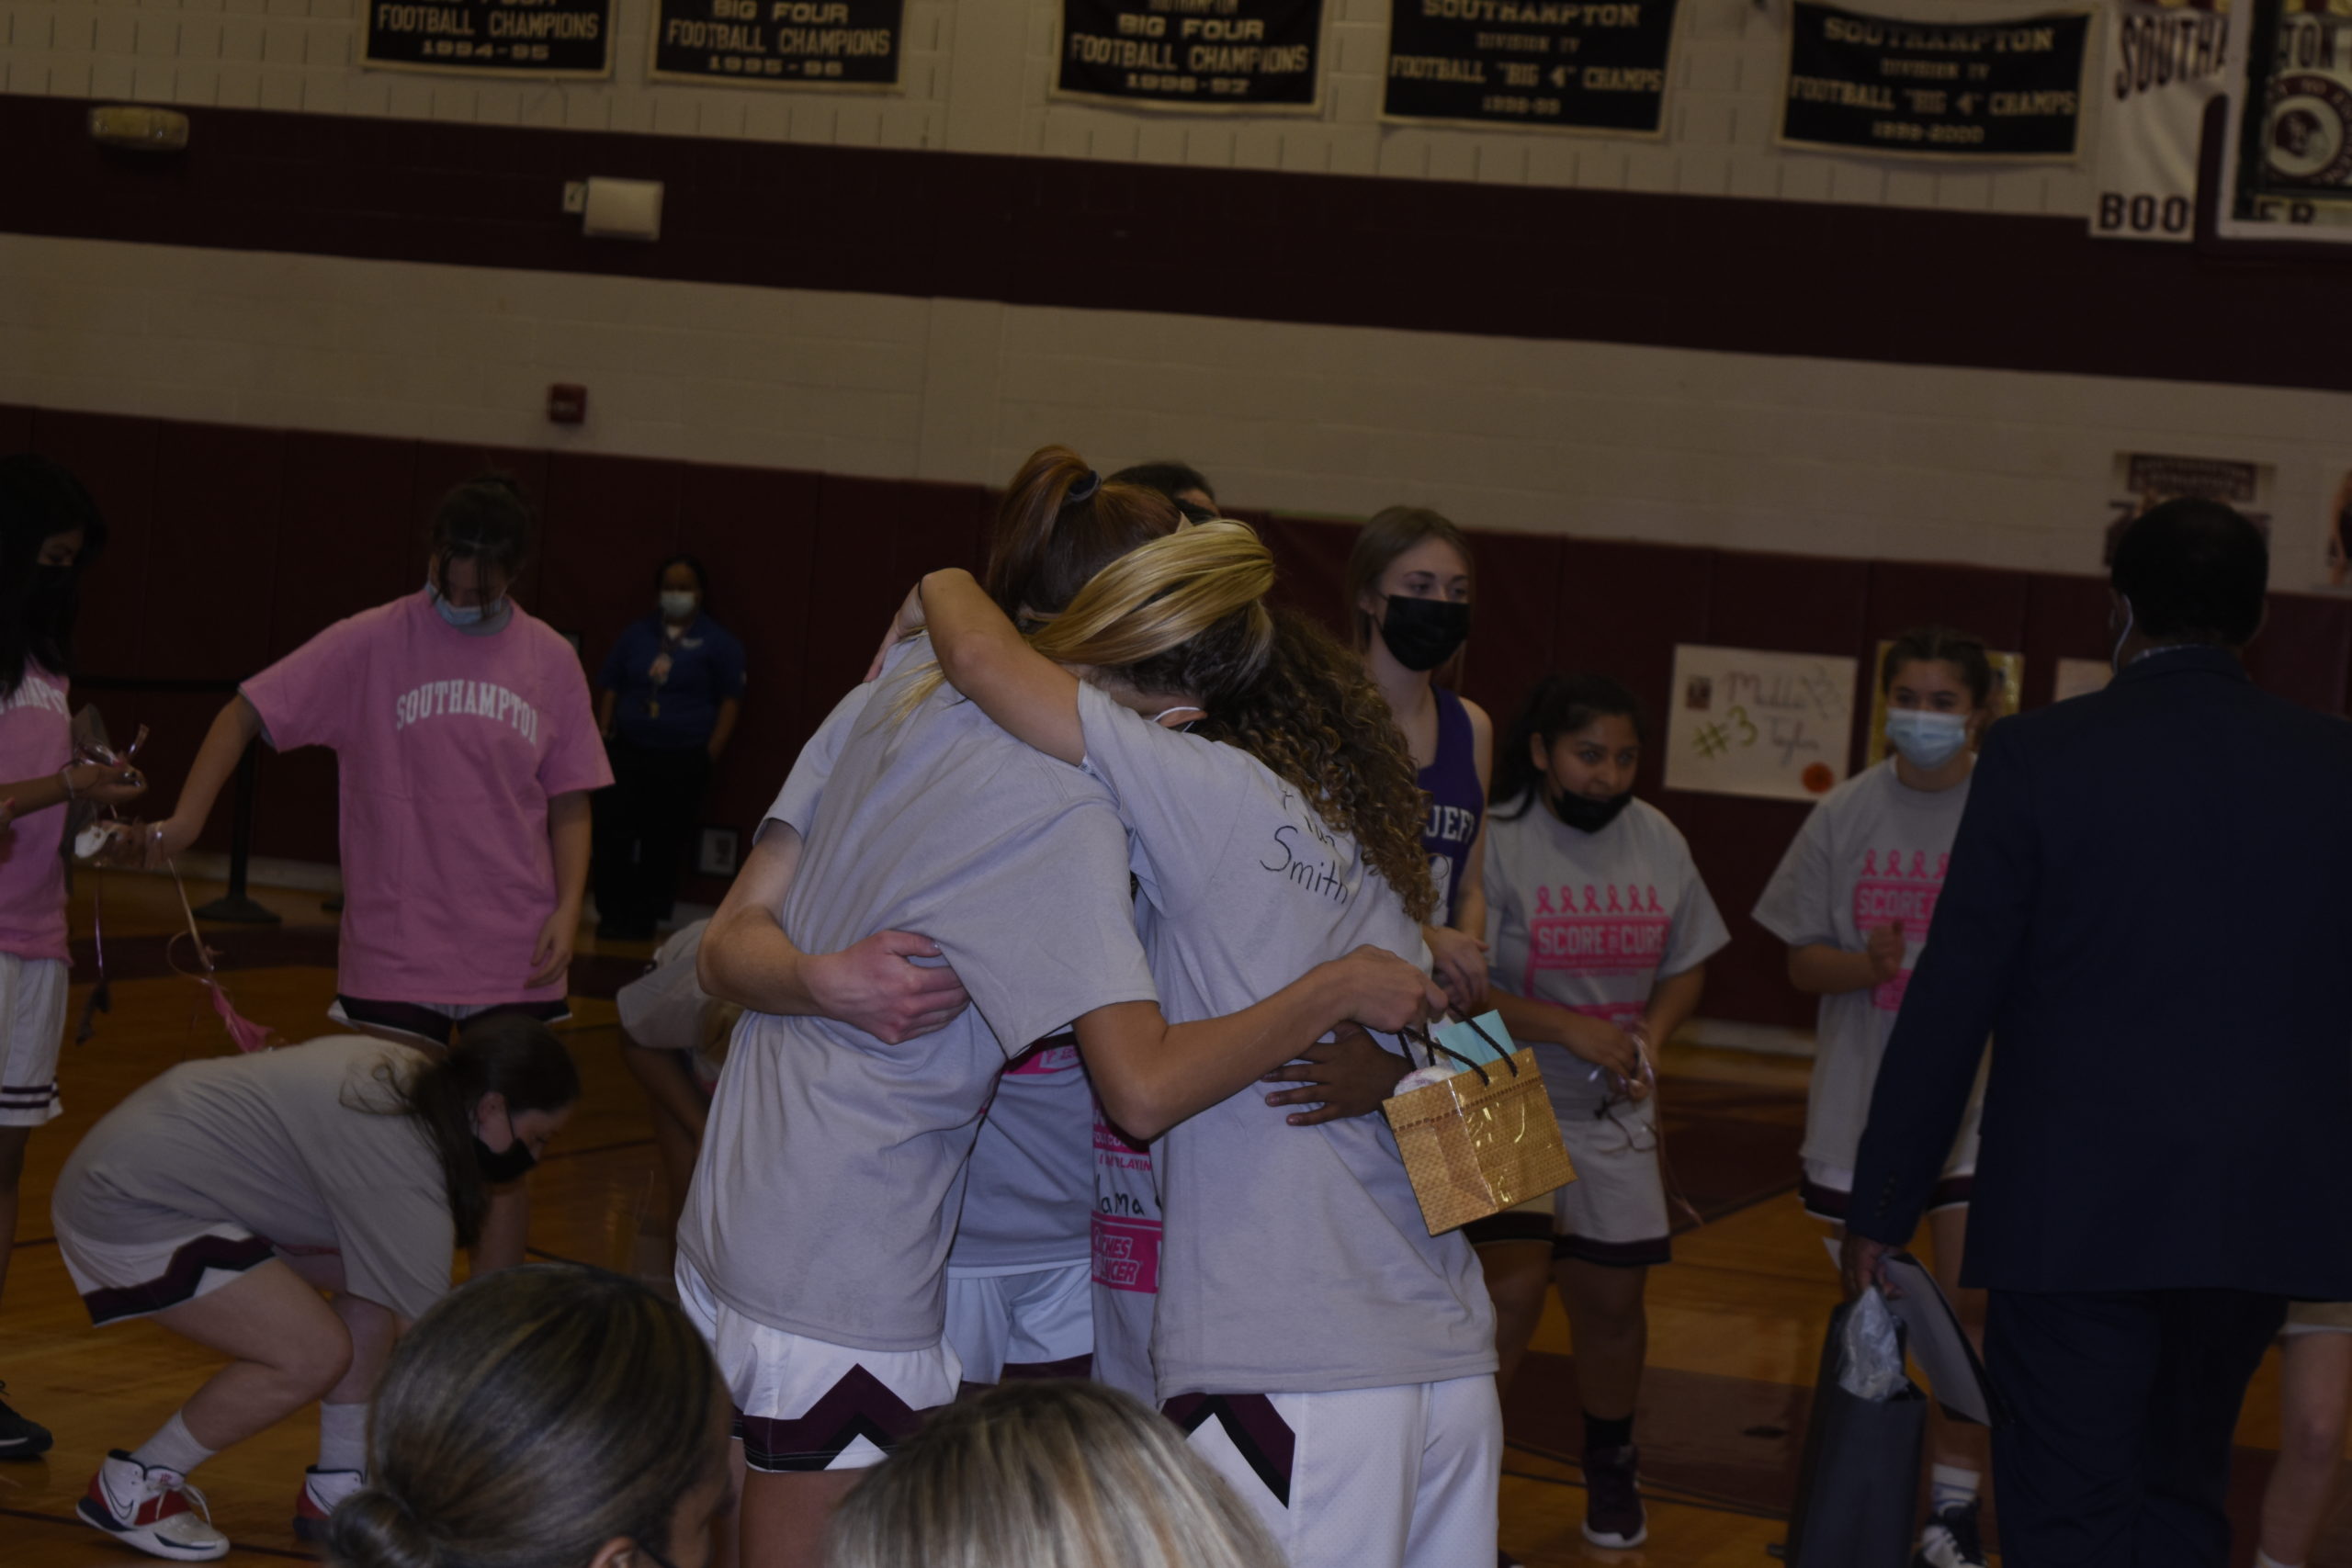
(1892, 284)
(232, 546)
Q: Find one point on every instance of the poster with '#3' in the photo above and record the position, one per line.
(1744, 722)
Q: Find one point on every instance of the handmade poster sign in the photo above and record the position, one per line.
(1598, 65)
(1745, 722)
(490, 37)
(1253, 56)
(1995, 89)
(777, 43)
(2008, 684)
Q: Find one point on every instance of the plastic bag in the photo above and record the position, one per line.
(1872, 1365)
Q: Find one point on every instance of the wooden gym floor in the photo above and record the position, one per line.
(1736, 1322)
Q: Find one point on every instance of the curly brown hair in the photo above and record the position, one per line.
(1319, 723)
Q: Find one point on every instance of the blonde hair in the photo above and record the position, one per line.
(1048, 1474)
(1181, 613)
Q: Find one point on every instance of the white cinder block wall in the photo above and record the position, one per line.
(1817, 456)
(976, 80)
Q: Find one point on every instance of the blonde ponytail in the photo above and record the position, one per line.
(1182, 613)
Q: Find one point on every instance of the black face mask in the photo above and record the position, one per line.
(1585, 814)
(500, 1165)
(1424, 633)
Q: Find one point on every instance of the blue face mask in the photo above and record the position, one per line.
(1925, 740)
(463, 615)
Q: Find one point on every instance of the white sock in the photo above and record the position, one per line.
(343, 1437)
(2264, 1559)
(1951, 1487)
(173, 1448)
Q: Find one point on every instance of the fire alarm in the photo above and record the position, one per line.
(567, 403)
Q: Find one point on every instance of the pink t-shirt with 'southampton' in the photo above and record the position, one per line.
(36, 739)
(450, 747)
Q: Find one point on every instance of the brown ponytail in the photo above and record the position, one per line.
(1057, 525)
(530, 1416)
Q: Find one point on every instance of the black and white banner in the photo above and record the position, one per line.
(777, 43)
(2164, 64)
(490, 37)
(1253, 55)
(1949, 90)
(1575, 65)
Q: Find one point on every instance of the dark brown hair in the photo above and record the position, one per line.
(486, 520)
(1315, 719)
(530, 1416)
(1392, 532)
(1923, 645)
(38, 608)
(1046, 546)
(519, 1058)
(1558, 705)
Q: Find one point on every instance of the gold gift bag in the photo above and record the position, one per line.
(1482, 1141)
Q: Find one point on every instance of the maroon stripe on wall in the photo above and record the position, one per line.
(232, 546)
(1848, 282)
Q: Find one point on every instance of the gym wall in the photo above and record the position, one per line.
(1689, 391)
(235, 544)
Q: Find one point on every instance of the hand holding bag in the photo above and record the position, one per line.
(1859, 1483)
(1480, 1141)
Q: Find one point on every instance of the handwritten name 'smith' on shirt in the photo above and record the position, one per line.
(1293, 1259)
(450, 747)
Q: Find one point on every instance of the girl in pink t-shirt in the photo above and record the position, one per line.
(467, 751)
(48, 534)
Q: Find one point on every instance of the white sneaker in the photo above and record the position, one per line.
(153, 1509)
(321, 1491)
(1952, 1539)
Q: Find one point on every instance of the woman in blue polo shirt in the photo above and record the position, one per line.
(668, 696)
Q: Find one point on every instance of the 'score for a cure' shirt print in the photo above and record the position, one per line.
(1597, 929)
(1899, 888)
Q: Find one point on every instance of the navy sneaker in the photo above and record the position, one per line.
(20, 1438)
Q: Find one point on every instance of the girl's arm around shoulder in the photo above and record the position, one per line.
(984, 656)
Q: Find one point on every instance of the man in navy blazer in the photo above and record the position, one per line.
(2149, 911)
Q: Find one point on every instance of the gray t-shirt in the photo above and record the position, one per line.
(279, 1141)
(1591, 922)
(1294, 1260)
(1031, 1187)
(833, 1169)
(663, 1008)
(1875, 850)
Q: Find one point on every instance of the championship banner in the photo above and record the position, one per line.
(1974, 90)
(776, 43)
(1571, 64)
(2291, 62)
(490, 37)
(2164, 62)
(1255, 55)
